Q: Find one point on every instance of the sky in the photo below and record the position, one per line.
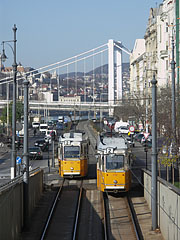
(50, 31)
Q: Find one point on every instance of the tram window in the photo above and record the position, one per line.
(60, 152)
(102, 167)
(71, 151)
(114, 162)
(85, 151)
(100, 162)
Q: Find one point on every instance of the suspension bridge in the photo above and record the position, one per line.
(76, 96)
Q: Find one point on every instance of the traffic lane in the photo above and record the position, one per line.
(5, 163)
(140, 161)
(140, 156)
(44, 162)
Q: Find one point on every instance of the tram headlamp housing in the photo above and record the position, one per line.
(115, 181)
(72, 168)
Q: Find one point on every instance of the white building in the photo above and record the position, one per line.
(48, 97)
(165, 29)
(73, 99)
(153, 54)
(137, 67)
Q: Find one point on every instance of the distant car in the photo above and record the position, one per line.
(93, 119)
(130, 141)
(143, 140)
(35, 124)
(123, 130)
(50, 123)
(42, 144)
(35, 153)
(59, 126)
(51, 133)
(43, 127)
(48, 140)
(4, 140)
(138, 137)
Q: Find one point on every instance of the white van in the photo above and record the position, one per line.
(61, 119)
(35, 124)
(43, 127)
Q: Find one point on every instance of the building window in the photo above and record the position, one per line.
(167, 45)
(166, 64)
(167, 27)
(160, 36)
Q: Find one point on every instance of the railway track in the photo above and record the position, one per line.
(63, 218)
(120, 221)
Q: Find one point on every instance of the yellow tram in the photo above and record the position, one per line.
(113, 165)
(73, 154)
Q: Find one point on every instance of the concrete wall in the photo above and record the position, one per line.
(11, 205)
(168, 206)
(35, 189)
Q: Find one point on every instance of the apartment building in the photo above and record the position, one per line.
(153, 54)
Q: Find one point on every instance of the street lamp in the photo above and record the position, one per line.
(14, 65)
(173, 99)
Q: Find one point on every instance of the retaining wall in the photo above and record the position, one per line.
(11, 204)
(168, 206)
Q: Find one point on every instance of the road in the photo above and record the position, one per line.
(5, 159)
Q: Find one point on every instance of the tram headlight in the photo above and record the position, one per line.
(115, 182)
(72, 168)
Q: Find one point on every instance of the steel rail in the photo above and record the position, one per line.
(135, 222)
(104, 215)
(51, 211)
(78, 211)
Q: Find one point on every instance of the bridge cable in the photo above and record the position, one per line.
(62, 61)
(55, 67)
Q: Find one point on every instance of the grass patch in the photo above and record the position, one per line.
(177, 184)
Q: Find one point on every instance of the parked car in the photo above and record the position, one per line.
(42, 144)
(35, 124)
(138, 137)
(48, 139)
(49, 133)
(35, 153)
(43, 127)
(130, 142)
(143, 140)
(123, 130)
(59, 126)
(5, 140)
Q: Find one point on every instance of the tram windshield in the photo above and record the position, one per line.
(71, 152)
(114, 162)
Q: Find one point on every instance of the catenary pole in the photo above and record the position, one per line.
(26, 157)
(173, 97)
(154, 155)
(13, 153)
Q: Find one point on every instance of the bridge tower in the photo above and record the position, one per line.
(115, 84)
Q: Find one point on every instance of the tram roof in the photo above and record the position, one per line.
(71, 136)
(112, 142)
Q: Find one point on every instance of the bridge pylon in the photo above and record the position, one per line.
(115, 79)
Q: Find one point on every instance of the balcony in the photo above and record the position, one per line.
(163, 54)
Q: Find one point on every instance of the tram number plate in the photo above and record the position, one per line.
(109, 150)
